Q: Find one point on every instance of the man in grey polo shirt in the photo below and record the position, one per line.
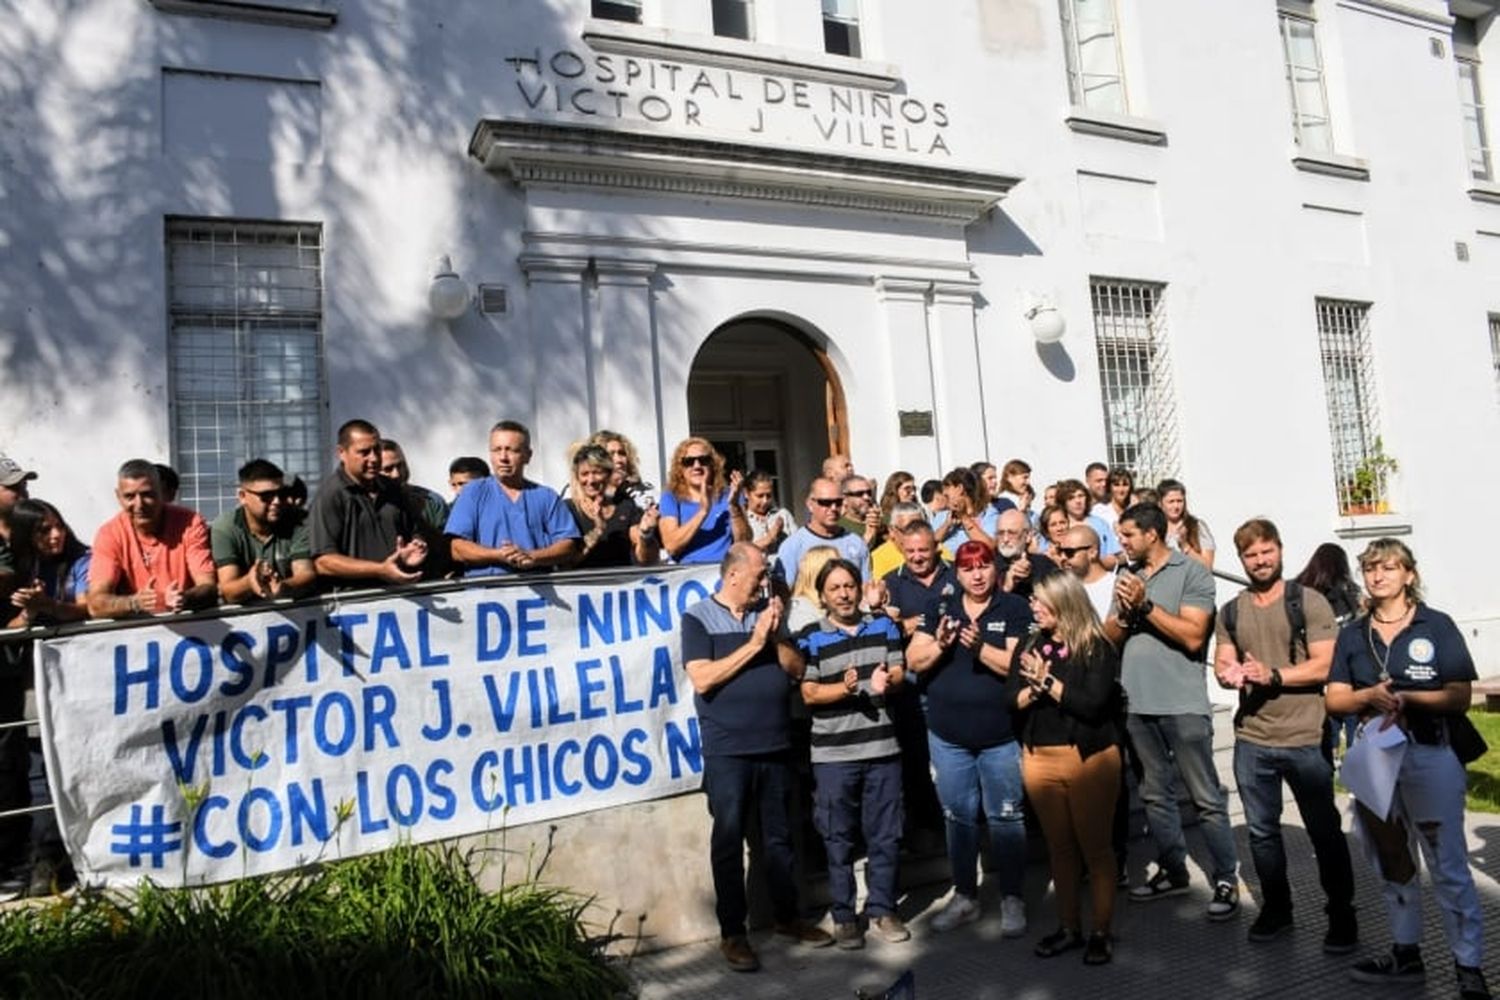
(1164, 606)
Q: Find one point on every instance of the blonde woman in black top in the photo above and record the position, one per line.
(1067, 695)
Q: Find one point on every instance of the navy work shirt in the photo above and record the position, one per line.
(748, 714)
(1427, 654)
(966, 702)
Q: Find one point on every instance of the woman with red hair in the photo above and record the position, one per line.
(963, 649)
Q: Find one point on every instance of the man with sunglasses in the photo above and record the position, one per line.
(1080, 556)
(261, 548)
(824, 502)
(861, 515)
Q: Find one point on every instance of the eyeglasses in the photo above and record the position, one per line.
(827, 501)
(859, 493)
(705, 461)
(268, 496)
(1069, 551)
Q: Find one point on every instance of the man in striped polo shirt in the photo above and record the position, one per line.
(853, 659)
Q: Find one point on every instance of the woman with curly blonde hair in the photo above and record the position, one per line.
(701, 515)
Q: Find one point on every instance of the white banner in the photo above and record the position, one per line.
(202, 751)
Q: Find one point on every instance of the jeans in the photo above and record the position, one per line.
(1259, 772)
(1167, 744)
(851, 798)
(1428, 813)
(741, 792)
(981, 785)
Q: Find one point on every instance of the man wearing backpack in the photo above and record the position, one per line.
(1275, 644)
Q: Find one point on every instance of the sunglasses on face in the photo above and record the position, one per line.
(1069, 551)
(858, 493)
(705, 461)
(827, 501)
(269, 496)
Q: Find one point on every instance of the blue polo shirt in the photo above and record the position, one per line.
(714, 535)
(749, 713)
(485, 515)
(851, 547)
(966, 700)
(1425, 655)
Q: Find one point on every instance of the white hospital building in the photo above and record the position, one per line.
(1267, 230)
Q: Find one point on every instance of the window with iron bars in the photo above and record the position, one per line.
(1311, 127)
(245, 343)
(1495, 348)
(1091, 46)
(1135, 377)
(1360, 466)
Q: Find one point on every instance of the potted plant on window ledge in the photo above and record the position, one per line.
(1365, 489)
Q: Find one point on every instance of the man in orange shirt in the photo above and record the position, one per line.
(152, 557)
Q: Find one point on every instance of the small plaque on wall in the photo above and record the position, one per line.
(915, 423)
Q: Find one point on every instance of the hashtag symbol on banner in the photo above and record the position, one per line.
(138, 838)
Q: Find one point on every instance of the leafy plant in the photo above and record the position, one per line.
(411, 922)
(1366, 486)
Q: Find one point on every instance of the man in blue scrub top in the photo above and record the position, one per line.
(506, 523)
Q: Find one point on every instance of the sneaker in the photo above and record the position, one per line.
(1161, 884)
(738, 953)
(1343, 934)
(890, 929)
(1226, 902)
(961, 909)
(1100, 950)
(1471, 984)
(1012, 916)
(1270, 925)
(1399, 965)
(805, 933)
(848, 936)
(1061, 940)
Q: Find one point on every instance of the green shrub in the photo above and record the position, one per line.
(408, 923)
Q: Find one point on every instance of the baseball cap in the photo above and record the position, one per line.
(11, 474)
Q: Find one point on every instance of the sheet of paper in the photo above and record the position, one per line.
(1372, 765)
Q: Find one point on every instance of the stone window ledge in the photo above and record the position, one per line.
(1353, 168)
(289, 13)
(1485, 191)
(1112, 126)
(1372, 525)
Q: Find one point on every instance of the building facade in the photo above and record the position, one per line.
(1273, 238)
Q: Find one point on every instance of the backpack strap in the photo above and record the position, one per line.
(1231, 616)
(1296, 615)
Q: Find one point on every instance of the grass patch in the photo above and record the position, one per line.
(411, 922)
(1484, 773)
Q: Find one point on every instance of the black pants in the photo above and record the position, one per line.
(15, 759)
(747, 795)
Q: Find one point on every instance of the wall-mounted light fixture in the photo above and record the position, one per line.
(448, 296)
(1047, 324)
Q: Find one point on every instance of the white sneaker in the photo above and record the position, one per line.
(1012, 916)
(961, 909)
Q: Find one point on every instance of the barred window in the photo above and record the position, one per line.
(1135, 377)
(841, 27)
(1304, 78)
(245, 317)
(1495, 348)
(1091, 46)
(1359, 467)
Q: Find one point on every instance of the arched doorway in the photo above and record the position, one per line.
(768, 397)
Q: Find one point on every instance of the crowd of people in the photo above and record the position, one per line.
(940, 653)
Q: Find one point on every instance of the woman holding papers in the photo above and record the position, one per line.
(1404, 664)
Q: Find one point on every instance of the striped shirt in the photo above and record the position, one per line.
(859, 726)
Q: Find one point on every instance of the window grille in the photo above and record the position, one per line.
(1304, 77)
(617, 10)
(1476, 136)
(841, 27)
(1353, 410)
(245, 316)
(733, 19)
(1495, 348)
(1091, 44)
(1135, 377)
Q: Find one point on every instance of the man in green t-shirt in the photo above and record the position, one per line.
(261, 548)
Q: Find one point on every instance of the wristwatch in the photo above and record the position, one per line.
(1275, 678)
(1147, 606)
(1048, 683)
